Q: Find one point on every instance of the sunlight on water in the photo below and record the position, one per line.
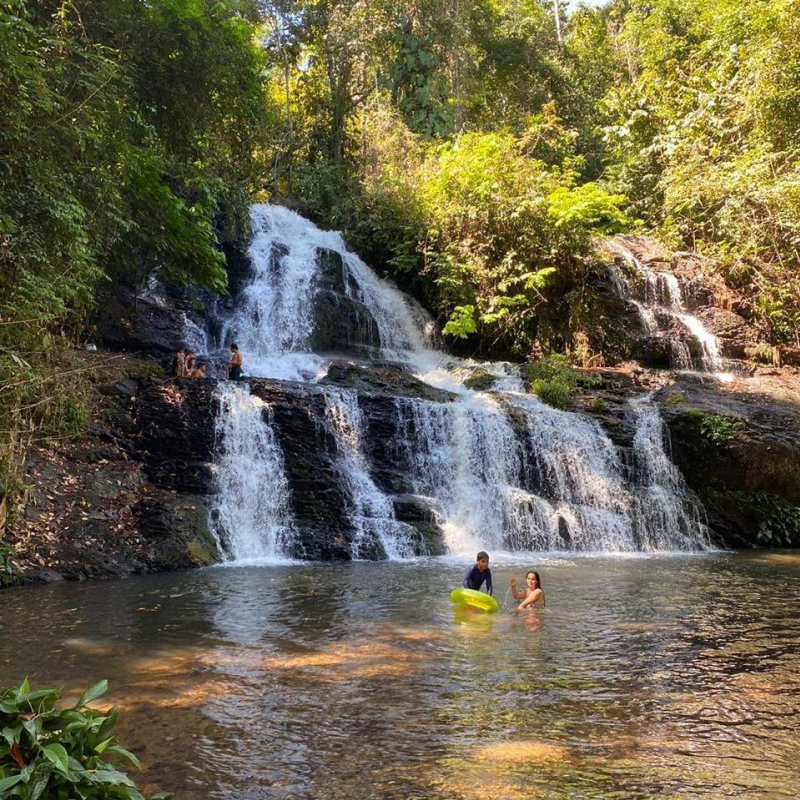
(643, 677)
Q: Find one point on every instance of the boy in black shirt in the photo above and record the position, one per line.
(479, 573)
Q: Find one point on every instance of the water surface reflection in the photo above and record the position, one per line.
(674, 677)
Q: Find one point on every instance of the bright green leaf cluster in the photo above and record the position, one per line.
(49, 753)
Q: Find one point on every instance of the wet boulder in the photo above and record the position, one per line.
(417, 512)
(343, 325)
(382, 378)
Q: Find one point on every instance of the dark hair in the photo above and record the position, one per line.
(538, 579)
(234, 346)
(483, 555)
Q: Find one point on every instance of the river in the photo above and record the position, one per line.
(668, 676)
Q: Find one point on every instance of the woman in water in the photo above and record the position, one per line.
(532, 595)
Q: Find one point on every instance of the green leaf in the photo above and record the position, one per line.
(92, 693)
(121, 751)
(7, 783)
(58, 755)
(40, 786)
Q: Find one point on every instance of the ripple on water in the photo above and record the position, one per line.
(672, 677)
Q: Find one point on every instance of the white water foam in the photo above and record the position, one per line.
(499, 469)
(254, 522)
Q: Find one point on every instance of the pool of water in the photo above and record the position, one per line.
(674, 677)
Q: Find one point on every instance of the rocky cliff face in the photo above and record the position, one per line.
(176, 435)
(739, 450)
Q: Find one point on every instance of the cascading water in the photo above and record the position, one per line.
(666, 517)
(253, 517)
(274, 321)
(370, 511)
(559, 483)
(662, 294)
(498, 469)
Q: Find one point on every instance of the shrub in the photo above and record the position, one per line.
(9, 569)
(554, 381)
(778, 520)
(720, 430)
(555, 393)
(48, 753)
(674, 399)
(599, 404)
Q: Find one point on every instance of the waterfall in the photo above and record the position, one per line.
(557, 483)
(274, 320)
(253, 519)
(497, 469)
(369, 510)
(662, 294)
(666, 518)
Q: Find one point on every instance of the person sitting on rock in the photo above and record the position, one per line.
(179, 363)
(235, 364)
(199, 371)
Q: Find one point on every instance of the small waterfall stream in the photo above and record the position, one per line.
(497, 469)
(661, 295)
(369, 509)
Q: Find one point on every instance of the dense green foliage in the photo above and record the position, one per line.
(777, 520)
(469, 150)
(472, 153)
(49, 753)
(130, 140)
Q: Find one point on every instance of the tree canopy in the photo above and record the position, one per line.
(470, 150)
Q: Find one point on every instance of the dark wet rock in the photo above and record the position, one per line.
(176, 432)
(310, 461)
(125, 387)
(382, 378)
(178, 533)
(417, 512)
(760, 454)
(480, 380)
(729, 327)
(343, 325)
(384, 443)
(333, 275)
(50, 576)
(608, 401)
(653, 351)
(147, 324)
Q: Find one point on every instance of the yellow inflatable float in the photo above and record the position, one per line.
(473, 599)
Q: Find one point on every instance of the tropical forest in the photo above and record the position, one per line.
(399, 399)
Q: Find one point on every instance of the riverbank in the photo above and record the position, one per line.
(86, 508)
